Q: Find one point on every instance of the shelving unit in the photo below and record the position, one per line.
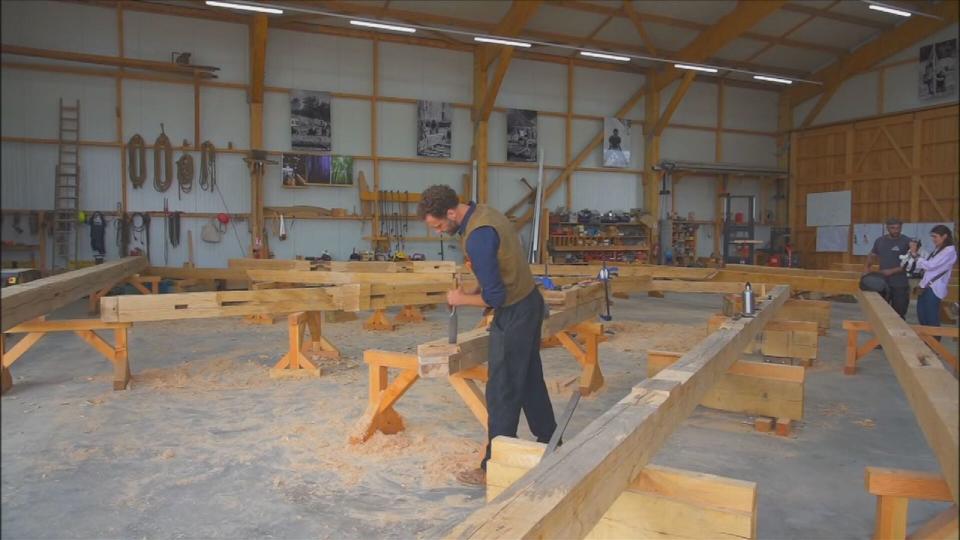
(683, 241)
(571, 241)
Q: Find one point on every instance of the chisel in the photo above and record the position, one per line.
(452, 328)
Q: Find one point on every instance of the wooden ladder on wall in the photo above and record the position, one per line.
(66, 191)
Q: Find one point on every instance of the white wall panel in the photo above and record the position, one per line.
(100, 178)
(424, 73)
(61, 26)
(687, 145)
(318, 62)
(856, 98)
(601, 92)
(606, 191)
(224, 117)
(397, 135)
(147, 104)
(695, 194)
(698, 107)
(747, 108)
(536, 85)
(28, 175)
(149, 36)
(583, 132)
(497, 137)
(749, 149)
(31, 104)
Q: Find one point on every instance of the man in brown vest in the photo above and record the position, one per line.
(493, 252)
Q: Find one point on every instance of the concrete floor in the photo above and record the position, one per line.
(206, 445)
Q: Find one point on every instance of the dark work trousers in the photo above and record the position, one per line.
(515, 372)
(899, 299)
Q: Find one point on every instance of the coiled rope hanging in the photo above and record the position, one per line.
(184, 174)
(162, 152)
(208, 166)
(137, 160)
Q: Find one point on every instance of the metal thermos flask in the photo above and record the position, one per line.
(747, 299)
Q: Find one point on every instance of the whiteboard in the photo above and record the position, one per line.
(864, 235)
(829, 208)
(833, 239)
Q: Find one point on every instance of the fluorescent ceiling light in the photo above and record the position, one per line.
(605, 56)
(886, 9)
(695, 68)
(499, 41)
(384, 26)
(245, 7)
(772, 79)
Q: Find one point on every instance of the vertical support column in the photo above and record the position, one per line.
(718, 149)
(848, 183)
(258, 58)
(915, 176)
(651, 154)
(784, 127)
(720, 189)
(119, 112)
(891, 517)
(480, 136)
(792, 193)
(375, 162)
(568, 136)
(121, 362)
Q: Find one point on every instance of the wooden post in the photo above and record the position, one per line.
(383, 394)
(258, 58)
(480, 135)
(568, 135)
(119, 113)
(375, 241)
(651, 154)
(121, 363)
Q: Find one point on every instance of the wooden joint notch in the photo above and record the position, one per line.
(752, 388)
(661, 502)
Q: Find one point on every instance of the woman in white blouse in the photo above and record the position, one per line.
(936, 274)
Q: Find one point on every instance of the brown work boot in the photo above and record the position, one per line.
(473, 477)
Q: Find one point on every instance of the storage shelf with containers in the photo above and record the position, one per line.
(591, 236)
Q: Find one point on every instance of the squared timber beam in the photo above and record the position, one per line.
(27, 301)
(931, 391)
(570, 490)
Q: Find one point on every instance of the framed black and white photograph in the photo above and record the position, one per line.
(521, 135)
(616, 142)
(310, 121)
(938, 69)
(434, 123)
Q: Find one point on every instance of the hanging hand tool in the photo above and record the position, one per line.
(166, 226)
(452, 324)
(604, 276)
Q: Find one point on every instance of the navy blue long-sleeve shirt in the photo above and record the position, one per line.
(482, 247)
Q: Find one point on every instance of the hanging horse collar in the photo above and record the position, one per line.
(137, 160)
(162, 158)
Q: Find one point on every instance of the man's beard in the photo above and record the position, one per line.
(452, 227)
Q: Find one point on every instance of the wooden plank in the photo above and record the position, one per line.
(269, 264)
(931, 391)
(662, 502)
(798, 283)
(150, 65)
(944, 525)
(446, 267)
(806, 310)
(27, 301)
(338, 278)
(176, 272)
(905, 483)
(68, 325)
(229, 303)
(752, 388)
(439, 358)
(570, 490)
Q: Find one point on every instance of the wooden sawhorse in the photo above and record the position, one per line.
(928, 334)
(85, 329)
(383, 393)
(139, 282)
(296, 361)
(894, 488)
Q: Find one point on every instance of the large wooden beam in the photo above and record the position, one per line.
(203, 72)
(883, 46)
(930, 389)
(21, 303)
(164, 307)
(568, 492)
(440, 359)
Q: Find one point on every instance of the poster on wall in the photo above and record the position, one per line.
(833, 239)
(521, 135)
(938, 69)
(317, 170)
(864, 235)
(434, 123)
(616, 142)
(310, 121)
